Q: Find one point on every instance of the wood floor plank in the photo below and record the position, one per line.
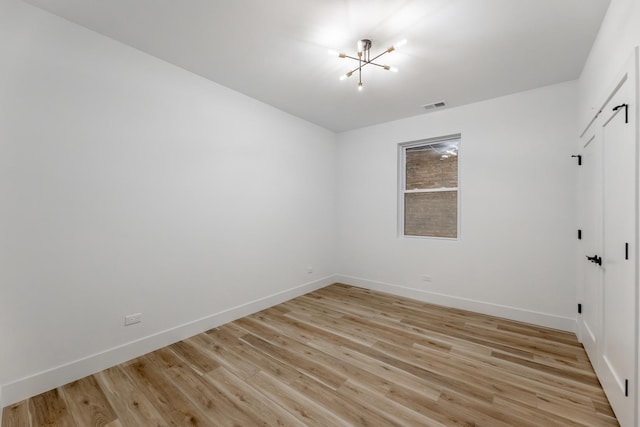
(323, 374)
(16, 415)
(516, 379)
(401, 410)
(382, 377)
(127, 400)
(202, 393)
(266, 412)
(354, 413)
(88, 404)
(359, 412)
(576, 413)
(307, 411)
(174, 406)
(194, 356)
(341, 355)
(218, 342)
(316, 364)
(581, 377)
(531, 415)
(50, 409)
(435, 378)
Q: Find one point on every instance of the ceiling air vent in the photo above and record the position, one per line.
(434, 105)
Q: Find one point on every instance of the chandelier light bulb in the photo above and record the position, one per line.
(397, 45)
(360, 47)
(360, 87)
(333, 52)
(345, 76)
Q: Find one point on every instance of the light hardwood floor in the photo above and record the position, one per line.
(341, 356)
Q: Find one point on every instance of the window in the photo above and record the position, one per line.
(429, 188)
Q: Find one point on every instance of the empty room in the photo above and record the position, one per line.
(319, 213)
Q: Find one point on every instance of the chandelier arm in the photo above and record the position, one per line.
(352, 57)
(377, 65)
(354, 70)
(376, 57)
(363, 65)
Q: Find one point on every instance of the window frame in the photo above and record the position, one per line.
(402, 148)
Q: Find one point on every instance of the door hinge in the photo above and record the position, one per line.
(626, 388)
(579, 308)
(579, 159)
(579, 234)
(626, 251)
(626, 111)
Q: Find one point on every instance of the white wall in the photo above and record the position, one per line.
(517, 177)
(130, 185)
(618, 35)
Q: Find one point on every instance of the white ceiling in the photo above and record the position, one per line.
(460, 51)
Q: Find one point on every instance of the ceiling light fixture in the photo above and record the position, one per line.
(364, 58)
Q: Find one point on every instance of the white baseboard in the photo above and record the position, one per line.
(38, 383)
(512, 313)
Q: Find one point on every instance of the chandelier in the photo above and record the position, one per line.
(364, 59)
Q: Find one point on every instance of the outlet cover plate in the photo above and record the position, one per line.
(132, 319)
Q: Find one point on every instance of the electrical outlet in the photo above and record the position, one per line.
(426, 278)
(132, 319)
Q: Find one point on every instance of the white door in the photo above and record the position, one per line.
(617, 347)
(608, 324)
(591, 177)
